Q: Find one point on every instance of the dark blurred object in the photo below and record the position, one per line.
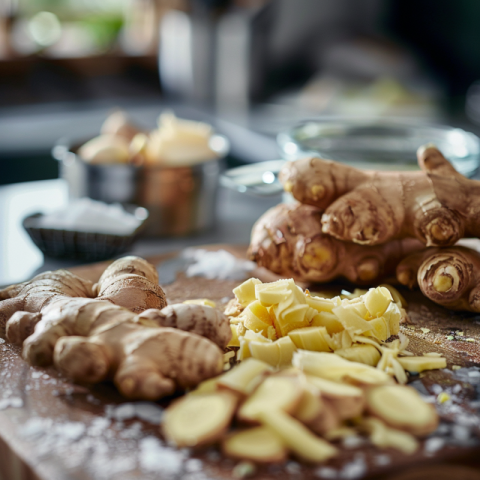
(86, 246)
(180, 200)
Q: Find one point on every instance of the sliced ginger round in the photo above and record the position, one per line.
(258, 444)
(196, 420)
(403, 408)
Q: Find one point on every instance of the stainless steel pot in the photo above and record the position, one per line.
(180, 200)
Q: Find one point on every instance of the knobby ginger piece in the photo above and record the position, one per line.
(419, 364)
(402, 407)
(288, 240)
(372, 207)
(199, 420)
(259, 444)
(301, 441)
(384, 437)
(239, 379)
(274, 393)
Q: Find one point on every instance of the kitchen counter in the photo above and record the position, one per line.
(20, 259)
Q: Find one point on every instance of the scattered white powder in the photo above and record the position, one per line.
(154, 456)
(353, 441)
(326, 472)
(382, 460)
(147, 411)
(219, 264)
(293, 468)
(193, 465)
(2, 341)
(13, 402)
(355, 469)
(461, 433)
(433, 444)
(86, 215)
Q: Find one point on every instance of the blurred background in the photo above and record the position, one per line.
(251, 68)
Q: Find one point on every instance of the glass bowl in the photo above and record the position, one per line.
(381, 144)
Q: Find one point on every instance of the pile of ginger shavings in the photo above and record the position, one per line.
(458, 426)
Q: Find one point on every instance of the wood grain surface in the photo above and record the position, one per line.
(51, 429)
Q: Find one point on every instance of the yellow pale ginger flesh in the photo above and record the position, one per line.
(447, 276)
(346, 400)
(310, 406)
(367, 354)
(275, 392)
(278, 353)
(298, 438)
(371, 207)
(288, 240)
(311, 338)
(199, 420)
(245, 293)
(333, 367)
(130, 282)
(239, 379)
(259, 444)
(384, 437)
(402, 408)
(420, 364)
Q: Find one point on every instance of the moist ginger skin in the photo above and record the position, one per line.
(129, 282)
(89, 338)
(438, 205)
(288, 240)
(447, 276)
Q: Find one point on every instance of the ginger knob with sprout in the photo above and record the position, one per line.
(438, 205)
(288, 240)
(447, 276)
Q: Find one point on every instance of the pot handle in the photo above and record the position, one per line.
(258, 179)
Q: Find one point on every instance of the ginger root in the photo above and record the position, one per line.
(438, 205)
(130, 282)
(447, 276)
(91, 338)
(288, 240)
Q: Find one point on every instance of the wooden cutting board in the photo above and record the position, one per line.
(51, 429)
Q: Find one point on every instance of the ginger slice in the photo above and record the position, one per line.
(298, 438)
(310, 406)
(334, 367)
(310, 338)
(383, 437)
(266, 352)
(259, 444)
(239, 379)
(197, 420)
(419, 364)
(367, 354)
(257, 317)
(403, 408)
(275, 392)
(347, 401)
(207, 386)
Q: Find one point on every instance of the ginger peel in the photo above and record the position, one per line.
(372, 208)
(288, 240)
